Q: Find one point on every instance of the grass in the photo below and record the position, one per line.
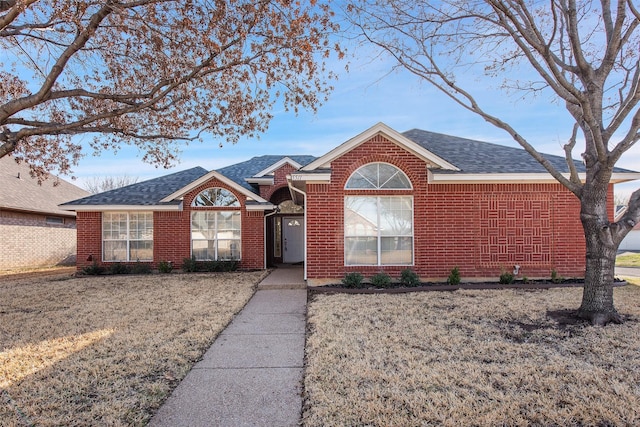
(507, 357)
(628, 260)
(106, 350)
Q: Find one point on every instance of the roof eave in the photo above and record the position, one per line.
(509, 178)
(213, 174)
(104, 208)
(277, 165)
(435, 161)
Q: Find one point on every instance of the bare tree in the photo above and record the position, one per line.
(583, 53)
(99, 184)
(152, 73)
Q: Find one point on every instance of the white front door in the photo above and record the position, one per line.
(293, 239)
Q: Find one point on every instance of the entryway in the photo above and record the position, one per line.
(292, 240)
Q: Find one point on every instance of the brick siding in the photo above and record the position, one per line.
(29, 241)
(172, 233)
(480, 228)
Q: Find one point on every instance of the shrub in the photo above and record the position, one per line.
(141, 268)
(217, 266)
(93, 269)
(165, 267)
(454, 277)
(410, 278)
(381, 280)
(506, 278)
(119, 268)
(228, 265)
(525, 279)
(189, 265)
(353, 280)
(555, 277)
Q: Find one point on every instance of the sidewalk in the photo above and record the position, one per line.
(252, 374)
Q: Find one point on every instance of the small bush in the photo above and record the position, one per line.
(141, 268)
(506, 278)
(381, 280)
(555, 277)
(165, 267)
(119, 268)
(454, 277)
(353, 280)
(525, 279)
(189, 265)
(93, 269)
(409, 278)
(217, 266)
(228, 265)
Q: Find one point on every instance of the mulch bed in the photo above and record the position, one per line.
(329, 289)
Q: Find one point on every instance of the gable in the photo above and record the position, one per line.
(435, 161)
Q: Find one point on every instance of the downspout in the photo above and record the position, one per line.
(304, 195)
(275, 211)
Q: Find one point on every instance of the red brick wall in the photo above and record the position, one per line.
(89, 226)
(480, 228)
(279, 181)
(172, 233)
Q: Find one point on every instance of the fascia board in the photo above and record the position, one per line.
(277, 165)
(396, 137)
(261, 207)
(104, 208)
(310, 177)
(213, 174)
(260, 181)
(508, 178)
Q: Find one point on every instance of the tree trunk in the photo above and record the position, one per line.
(597, 297)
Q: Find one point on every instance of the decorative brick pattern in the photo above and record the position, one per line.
(480, 228)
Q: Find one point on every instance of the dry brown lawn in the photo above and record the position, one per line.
(482, 358)
(106, 350)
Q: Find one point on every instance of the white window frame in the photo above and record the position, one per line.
(126, 236)
(379, 235)
(216, 239)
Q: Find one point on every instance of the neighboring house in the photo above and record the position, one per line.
(34, 231)
(381, 201)
(631, 242)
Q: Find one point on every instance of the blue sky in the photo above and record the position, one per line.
(364, 96)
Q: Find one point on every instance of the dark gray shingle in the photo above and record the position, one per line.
(145, 193)
(483, 157)
(240, 171)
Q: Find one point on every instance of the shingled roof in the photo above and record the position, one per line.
(239, 172)
(145, 193)
(468, 156)
(484, 157)
(19, 191)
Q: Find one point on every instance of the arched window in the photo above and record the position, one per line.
(216, 197)
(378, 226)
(378, 176)
(216, 233)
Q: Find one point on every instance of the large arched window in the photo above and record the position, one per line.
(216, 197)
(215, 233)
(378, 228)
(378, 176)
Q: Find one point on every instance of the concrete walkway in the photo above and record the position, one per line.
(252, 375)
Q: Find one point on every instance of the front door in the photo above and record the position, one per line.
(293, 240)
